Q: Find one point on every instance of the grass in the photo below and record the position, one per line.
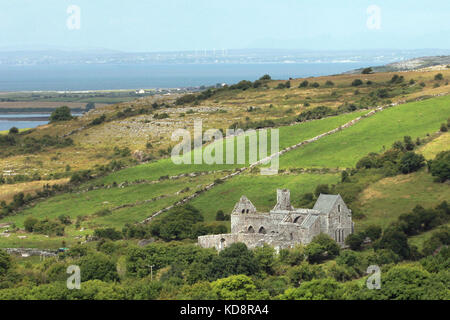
(261, 190)
(88, 203)
(7, 191)
(289, 135)
(431, 149)
(384, 201)
(420, 239)
(373, 134)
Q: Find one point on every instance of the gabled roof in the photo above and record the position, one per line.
(325, 202)
(309, 221)
(244, 203)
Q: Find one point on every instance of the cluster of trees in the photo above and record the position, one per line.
(25, 144)
(399, 159)
(117, 270)
(395, 237)
(181, 223)
(46, 226)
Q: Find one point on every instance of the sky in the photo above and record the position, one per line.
(178, 25)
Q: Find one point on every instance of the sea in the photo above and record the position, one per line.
(140, 76)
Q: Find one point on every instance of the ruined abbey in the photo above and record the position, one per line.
(284, 226)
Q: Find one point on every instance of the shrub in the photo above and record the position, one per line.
(13, 130)
(438, 77)
(98, 266)
(411, 162)
(357, 82)
(29, 223)
(440, 166)
(303, 84)
(108, 233)
(355, 240)
(443, 128)
(367, 71)
(61, 114)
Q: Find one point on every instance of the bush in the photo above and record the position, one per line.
(98, 120)
(13, 130)
(29, 223)
(98, 266)
(443, 128)
(367, 71)
(61, 114)
(108, 233)
(233, 260)
(411, 162)
(321, 248)
(303, 84)
(357, 82)
(355, 240)
(438, 77)
(395, 240)
(440, 166)
(5, 262)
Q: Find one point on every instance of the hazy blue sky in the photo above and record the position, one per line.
(160, 25)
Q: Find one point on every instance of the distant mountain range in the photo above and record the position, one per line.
(50, 56)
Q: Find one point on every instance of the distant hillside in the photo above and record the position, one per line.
(408, 65)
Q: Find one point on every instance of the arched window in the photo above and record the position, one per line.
(222, 244)
(247, 211)
(291, 236)
(262, 230)
(339, 208)
(243, 210)
(250, 230)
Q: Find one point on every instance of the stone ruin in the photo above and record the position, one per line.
(284, 226)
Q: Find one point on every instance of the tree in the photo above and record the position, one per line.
(395, 240)
(373, 232)
(409, 144)
(220, 216)
(29, 223)
(5, 262)
(303, 84)
(98, 266)
(235, 259)
(265, 77)
(317, 289)
(13, 130)
(438, 77)
(321, 188)
(238, 287)
(357, 82)
(61, 114)
(355, 240)
(321, 248)
(440, 166)
(367, 71)
(265, 256)
(411, 162)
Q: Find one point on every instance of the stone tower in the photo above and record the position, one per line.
(283, 200)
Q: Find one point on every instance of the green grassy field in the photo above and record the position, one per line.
(384, 201)
(289, 135)
(88, 203)
(346, 147)
(261, 190)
